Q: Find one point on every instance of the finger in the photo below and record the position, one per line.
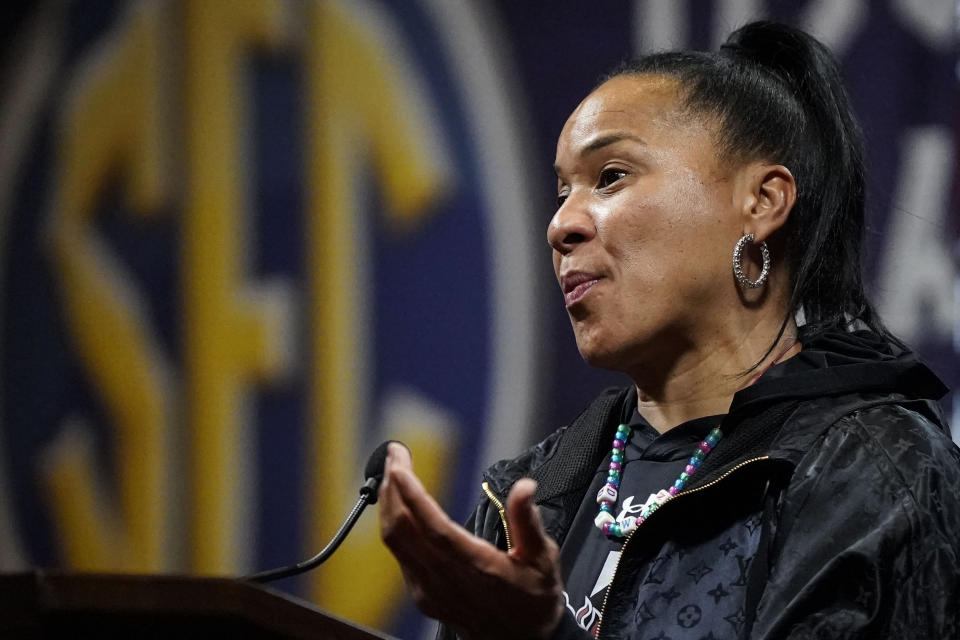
(397, 526)
(440, 532)
(398, 461)
(433, 574)
(388, 499)
(398, 457)
(434, 577)
(400, 454)
(530, 540)
(395, 519)
(413, 525)
(402, 534)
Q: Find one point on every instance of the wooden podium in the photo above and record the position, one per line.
(43, 604)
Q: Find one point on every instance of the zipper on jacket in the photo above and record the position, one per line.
(603, 607)
(501, 510)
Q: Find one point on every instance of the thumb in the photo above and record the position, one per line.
(529, 538)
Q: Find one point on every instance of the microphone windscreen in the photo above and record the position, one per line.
(377, 461)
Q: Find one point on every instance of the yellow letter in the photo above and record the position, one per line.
(362, 97)
(233, 330)
(112, 127)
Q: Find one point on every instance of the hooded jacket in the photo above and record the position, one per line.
(838, 462)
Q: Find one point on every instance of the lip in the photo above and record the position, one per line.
(576, 285)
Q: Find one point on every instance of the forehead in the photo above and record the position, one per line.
(646, 106)
(627, 100)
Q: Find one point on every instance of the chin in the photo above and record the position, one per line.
(600, 355)
(607, 361)
(615, 352)
(596, 344)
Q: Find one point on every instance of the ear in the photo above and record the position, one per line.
(767, 193)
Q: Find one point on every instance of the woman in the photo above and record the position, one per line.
(800, 479)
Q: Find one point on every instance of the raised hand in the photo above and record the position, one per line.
(461, 579)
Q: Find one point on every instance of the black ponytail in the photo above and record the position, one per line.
(778, 96)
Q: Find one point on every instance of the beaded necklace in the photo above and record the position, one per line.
(607, 495)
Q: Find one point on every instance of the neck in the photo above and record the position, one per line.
(704, 379)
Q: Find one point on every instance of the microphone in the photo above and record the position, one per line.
(373, 474)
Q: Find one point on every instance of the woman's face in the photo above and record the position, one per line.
(646, 225)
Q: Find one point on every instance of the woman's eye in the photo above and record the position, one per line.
(609, 176)
(561, 198)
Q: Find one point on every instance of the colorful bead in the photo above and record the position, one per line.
(603, 518)
(607, 495)
(650, 500)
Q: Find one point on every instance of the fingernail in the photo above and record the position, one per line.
(391, 454)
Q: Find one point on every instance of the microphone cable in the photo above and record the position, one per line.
(373, 472)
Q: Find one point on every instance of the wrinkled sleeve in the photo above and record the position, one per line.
(866, 544)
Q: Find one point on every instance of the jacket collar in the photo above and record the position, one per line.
(838, 372)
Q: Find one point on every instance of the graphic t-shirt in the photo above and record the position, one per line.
(652, 462)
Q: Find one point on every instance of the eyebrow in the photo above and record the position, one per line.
(609, 139)
(605, 141)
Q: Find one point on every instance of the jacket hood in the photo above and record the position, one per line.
(836, 362)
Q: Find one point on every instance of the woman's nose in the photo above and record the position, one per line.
(570, 226)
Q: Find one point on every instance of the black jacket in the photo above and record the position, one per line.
(844, 462)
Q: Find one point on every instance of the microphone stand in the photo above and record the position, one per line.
(368, 490)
